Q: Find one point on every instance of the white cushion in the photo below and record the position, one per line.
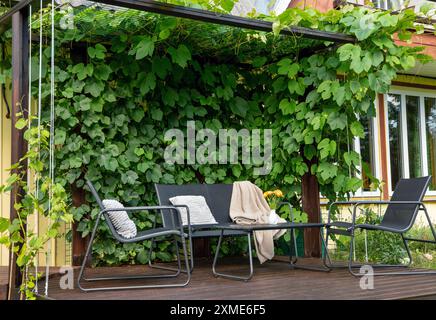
(199, 210)
(123, 225)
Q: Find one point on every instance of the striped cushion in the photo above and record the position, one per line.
(123, 225)
(199, 210)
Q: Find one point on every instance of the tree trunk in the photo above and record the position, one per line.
(79, 243)
(311, 205)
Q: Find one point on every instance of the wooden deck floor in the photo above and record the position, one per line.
(273, 280)
(3, 282)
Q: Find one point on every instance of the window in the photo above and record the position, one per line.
(366, 147)
(388, 4)
(243, 7)
(368, 153)
(395, 146)
(411, 124)
(430, 126)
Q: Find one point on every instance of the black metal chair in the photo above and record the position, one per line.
(175, 230)
(399, 217)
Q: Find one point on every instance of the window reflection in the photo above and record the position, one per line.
(367, 153)
(430, 125)
(394, 127)
(413, 137)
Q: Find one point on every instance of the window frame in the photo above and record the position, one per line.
(403, 92)
(356, 147)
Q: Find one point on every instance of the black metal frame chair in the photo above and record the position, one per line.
(176, 231)
(218, 197)
(399, 217)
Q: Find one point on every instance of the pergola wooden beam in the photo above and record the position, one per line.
(20, 88)
(205, 16)
(226, 19)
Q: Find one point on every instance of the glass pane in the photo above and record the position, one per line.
(367, 152)
(394, 127)
(430, 125)
(414, 137)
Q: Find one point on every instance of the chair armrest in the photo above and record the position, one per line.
(336, 203)
(358, 203)
(188, 215)
(285, 203)
(350, 202)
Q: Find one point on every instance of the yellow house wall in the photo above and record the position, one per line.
(5, 162)
(60, 248)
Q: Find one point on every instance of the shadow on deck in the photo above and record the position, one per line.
(272, 280)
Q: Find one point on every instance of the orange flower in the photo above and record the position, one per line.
(266, 194)
(278, 193)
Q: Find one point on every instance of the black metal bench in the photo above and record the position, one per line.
(218, 198)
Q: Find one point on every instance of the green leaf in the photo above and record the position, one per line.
(327, 147)
(287, 67)
(352, 157)
(325, 89)
(337, 121)
(339, 95)
(327, 170)
(357, 129)
(377, 58)
(180, 56)
(60, 136)
(287, 107)
(138, 114)
(21, 123)
(97, 52)
(4, 224)
(156, 114)
(348, 51)
(161, 66)
(259, 61)
(102, 72)
(407, 62)
(239, 106)
(144, 48)
(148, 83)
(309, 151)
(95, 88)
(129, 177)
(97, 105)
(388, 20)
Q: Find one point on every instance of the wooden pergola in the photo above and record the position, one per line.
(18, 17)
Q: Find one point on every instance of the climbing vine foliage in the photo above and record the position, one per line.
(123, 78)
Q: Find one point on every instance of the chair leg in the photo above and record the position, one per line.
(191, 257)
(132, 277)
(294, 264)
(394, 273)
(229, 276)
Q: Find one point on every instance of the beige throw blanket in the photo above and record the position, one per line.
(248, 206)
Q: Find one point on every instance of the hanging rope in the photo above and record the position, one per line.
(29, 101)
(39, 133)
(51, 143)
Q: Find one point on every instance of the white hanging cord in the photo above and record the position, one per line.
(51, 146)
(39, 132)
(29, 101)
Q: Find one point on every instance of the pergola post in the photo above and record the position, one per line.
(20, 85)
(311, 205)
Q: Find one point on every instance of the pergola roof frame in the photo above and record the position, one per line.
(19, 16)
(202, 15)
